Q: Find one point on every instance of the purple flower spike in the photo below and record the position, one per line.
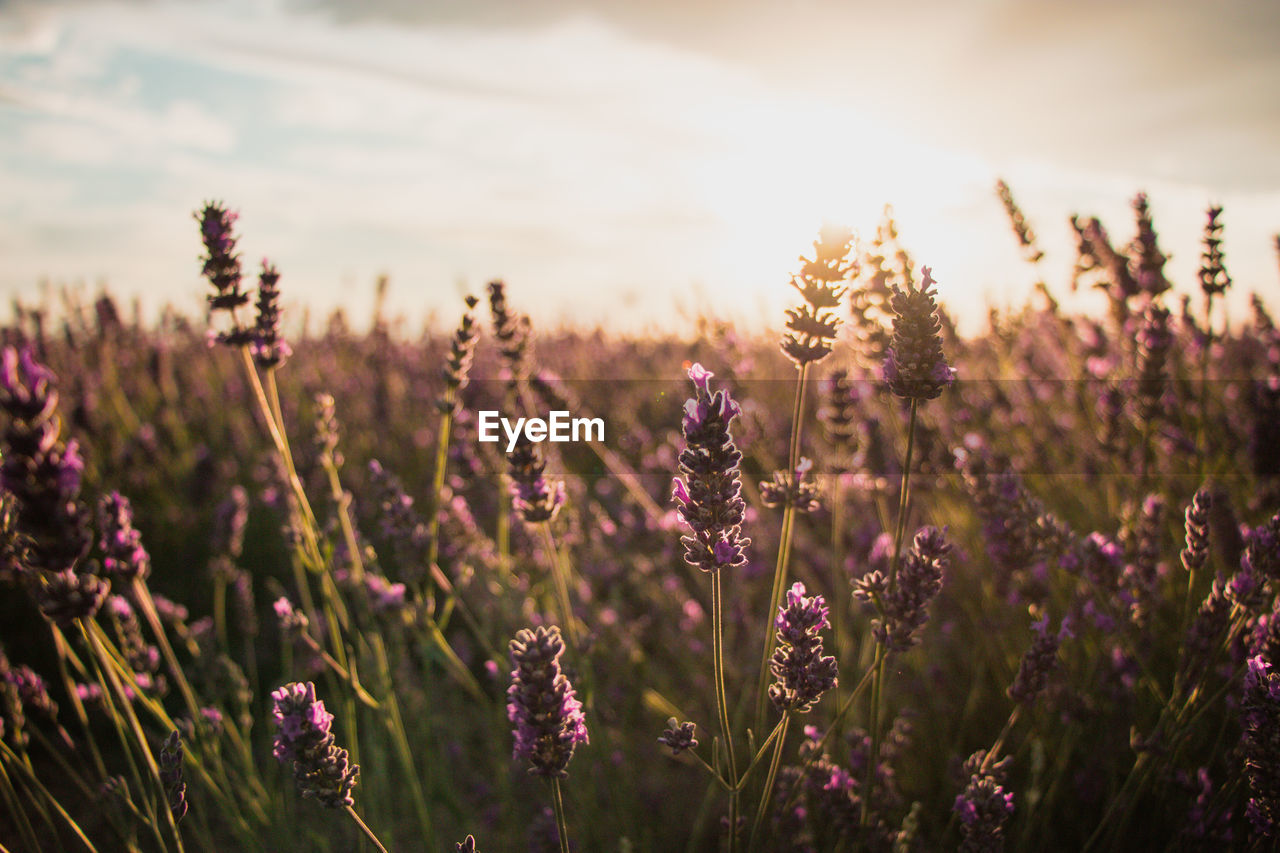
(121, 544)
(1260, 719)
(914, 366)
(709, 493)
(304, 737)
(801, 672)
(548, 718)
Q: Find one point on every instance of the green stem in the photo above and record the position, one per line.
(19, 813)
(770, 780)
(34, 782)
(559, 574)
(722, 706)
(364, 827)
(784, 548)
(562, 828)
(437, 479)
(877, 688)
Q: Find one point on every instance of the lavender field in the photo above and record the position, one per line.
(857, 583)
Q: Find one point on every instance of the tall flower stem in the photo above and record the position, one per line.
(365, 829)
(722, 706)
(770, 780)
(784, 550)
(877, 685)
(560, 576)
(437, 479)
(562, 826)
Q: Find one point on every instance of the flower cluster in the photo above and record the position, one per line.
(1154, 341)
(38, 469)
(548, 718)
(304, 738)
(811, 327)
(839, 416)
(269, 349)
(1038, 663)
(914, 365)
(1146, 261)
(793, 489)
(904, 602)
(1021, 228)
(1260, 719)
(800, 670)
(222, 268)
(1214, 279)
(678, 736)
(457, 365)
(1262, 552)
(537, 497)
(121, 543)
(171, 775)
(709, 495)
(984, 807)
(512, 331)
(1197, 526)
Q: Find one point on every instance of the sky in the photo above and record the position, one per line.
(632, 163)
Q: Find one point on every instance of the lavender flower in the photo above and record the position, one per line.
(812, 327)
(839, 416)
(984, 807)
(1037, 664)
(303, 737)
(914, 365)
(1154, 341)
(1214, 279)
(1146, 261)
(269, 350)
(292, 621)
(121, 543)
(458, 364)
(1260, 718)
(679, 736)
(709, 495)
(512, 331)
(791, 489)
(222, 267)
(67, 596)
(801, 672)
(1021, 228)
(1262, 552)
(38, 469)
(537, 497)
(904, 604)
(1197, 526)
(171, 775)
(542, 704)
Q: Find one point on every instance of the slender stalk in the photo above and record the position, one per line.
(19, 813)
(437, 479)
(770, 780)
(722, 706)
(877, 687)
(364, 827)
(559, 574)
(784, 548)
(34, 782)
(113, 694)
(562, 828)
